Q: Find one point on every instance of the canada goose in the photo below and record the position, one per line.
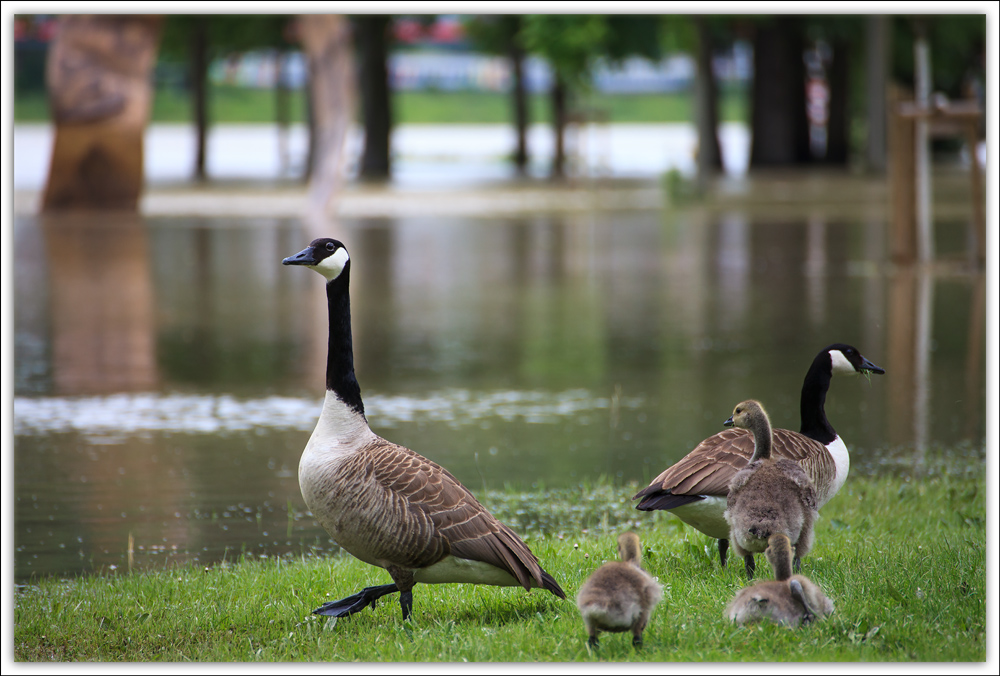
(787, 599)
(694, 489)
(770, 498)
(383, 503)
(620, 595)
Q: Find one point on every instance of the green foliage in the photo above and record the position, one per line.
(957, 50)
(227, 33)
(569, 42)
(903, 558)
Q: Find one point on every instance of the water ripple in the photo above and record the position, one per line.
(152, 412)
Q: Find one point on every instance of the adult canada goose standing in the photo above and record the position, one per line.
(694, 489)
(787, 599)
(769, 499)
(383, 503)
(620, 595)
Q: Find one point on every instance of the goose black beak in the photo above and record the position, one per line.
(304, 257)
(729, 422)
(868, 366)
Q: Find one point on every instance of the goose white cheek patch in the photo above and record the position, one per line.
(840, 363)
(331, 266)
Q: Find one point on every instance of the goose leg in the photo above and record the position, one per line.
(356, 602)
(750, 565)
(797, 564)
(403, 578)
(593, 642)
(723, 550)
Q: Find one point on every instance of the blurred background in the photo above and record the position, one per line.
(577, 242)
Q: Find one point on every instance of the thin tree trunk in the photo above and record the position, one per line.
(375, 104)
(709, 159)
(838, 120)
(281, 110)
(199, 78)
(99, 76)
(516, 55)
(558, 94)
(779, 127)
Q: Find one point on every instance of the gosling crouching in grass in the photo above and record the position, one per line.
(789, 599)
(619, 596)
(770, 497)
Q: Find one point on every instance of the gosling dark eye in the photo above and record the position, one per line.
(329, 246)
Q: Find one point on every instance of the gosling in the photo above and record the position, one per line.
(769, 497)
(792, 600)
(620, 595)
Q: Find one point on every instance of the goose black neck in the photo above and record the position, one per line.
(340, 378)
(811, 406)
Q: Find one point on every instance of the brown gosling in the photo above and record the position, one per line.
(789, 599)
(769, 497)
(620, 595)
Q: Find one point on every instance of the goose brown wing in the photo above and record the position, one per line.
(444, 517)
(811, 455)
(706, 470)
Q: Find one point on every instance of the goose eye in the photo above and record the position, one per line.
(330, 246)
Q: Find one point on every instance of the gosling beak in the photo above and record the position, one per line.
(729, 422)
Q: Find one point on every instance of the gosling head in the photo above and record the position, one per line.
(846, 360)
(629, 548)
(747, 415)
(326, 256)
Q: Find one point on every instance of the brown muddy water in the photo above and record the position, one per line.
(169, 370)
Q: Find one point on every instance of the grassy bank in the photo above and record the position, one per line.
(903, 560)
(228, 104)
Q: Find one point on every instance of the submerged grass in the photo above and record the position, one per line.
(904, 561)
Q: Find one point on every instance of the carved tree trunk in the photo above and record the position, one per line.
(327, 43)
(98, 77)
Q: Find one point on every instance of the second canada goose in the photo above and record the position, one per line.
(694, 488)
(770, 498)
(383, 503)
(620, 595)
(788, 599)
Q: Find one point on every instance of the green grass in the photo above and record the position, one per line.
(903, 560)
(229, 104)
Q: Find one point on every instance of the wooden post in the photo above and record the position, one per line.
(98, 76)
(902, 181)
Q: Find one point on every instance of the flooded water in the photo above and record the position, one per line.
(168, 371)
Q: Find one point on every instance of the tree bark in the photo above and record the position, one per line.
(709, 158)
(375, 98)
(98, 77)
(327, 44)
(779, 127)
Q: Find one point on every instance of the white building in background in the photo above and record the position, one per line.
(471, 71)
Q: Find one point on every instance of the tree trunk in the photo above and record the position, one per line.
(838, 120)
(327, 43)
(558, 126)
(199, 79)
(281, 110)
(98, 77)
(375, 104)
(709, 159)
(779, 127)
(877, 78)
(516, 55)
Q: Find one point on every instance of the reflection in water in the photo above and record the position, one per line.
(102, 306)
(171, 381)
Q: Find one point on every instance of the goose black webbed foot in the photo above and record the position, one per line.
(357, 602)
